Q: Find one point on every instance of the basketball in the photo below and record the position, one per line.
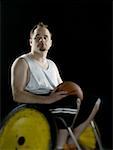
(71, 87)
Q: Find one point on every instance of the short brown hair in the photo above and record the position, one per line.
(40, 24)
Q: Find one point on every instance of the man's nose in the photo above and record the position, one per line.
(41, 39)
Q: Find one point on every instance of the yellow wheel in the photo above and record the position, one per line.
(89, 140)
(27, 128)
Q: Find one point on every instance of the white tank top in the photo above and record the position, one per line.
(42, 81)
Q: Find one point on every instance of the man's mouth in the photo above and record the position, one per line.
(42, 49)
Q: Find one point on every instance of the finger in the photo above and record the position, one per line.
(63, 92)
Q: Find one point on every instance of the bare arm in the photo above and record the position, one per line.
(19, 79)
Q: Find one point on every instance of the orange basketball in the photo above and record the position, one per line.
(71, 87)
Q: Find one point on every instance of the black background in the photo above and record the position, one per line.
(81, 48)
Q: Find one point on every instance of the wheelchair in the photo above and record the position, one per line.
(29, 127)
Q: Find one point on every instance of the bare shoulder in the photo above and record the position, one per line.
(19, 62)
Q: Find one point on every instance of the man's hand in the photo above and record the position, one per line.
(56, 96)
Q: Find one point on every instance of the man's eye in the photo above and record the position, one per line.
(37, 38)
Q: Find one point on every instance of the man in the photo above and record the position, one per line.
(34, 77)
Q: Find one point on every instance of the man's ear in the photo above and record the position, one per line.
(30, 42)
(51, 43)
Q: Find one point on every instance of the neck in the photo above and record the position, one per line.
(41, 57)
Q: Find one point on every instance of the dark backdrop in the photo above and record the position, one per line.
(81, 48)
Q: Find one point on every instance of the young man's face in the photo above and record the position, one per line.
(41, 40)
